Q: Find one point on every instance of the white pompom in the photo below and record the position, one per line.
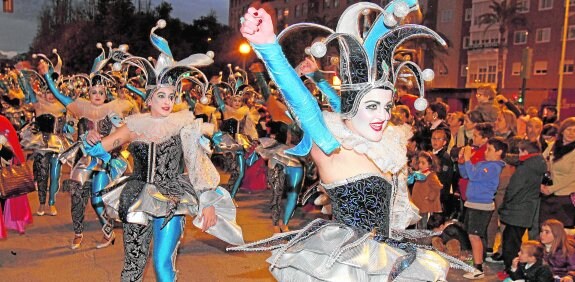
(124, 47)
(307, 50)
(210, 54)
(161, 23)
(365, 12)
(389, 20)
(237, 68)
(318, 49)
(401, 9)
(98, 45)
(109, 44)
(55, 51)
(34, 56)
(420, 104)
(427, 74)
(229, 65)
(204, 100)
(117, 66)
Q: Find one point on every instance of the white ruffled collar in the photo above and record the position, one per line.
(389, 154)
(151, 129)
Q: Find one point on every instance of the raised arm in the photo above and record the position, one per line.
(45, 70)
(309, 68)
(24, 81)
(257, 27)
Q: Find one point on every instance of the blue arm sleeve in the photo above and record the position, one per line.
(299, 100)
(29, 94)
(136, 91)
(65, 100)
(221, 105)
(327, 90)
(261, 82)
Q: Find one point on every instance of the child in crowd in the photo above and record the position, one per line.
(427, 187)
(483, 181)
(489, 110)
(528, 266)
(453, 240)
(521, 200)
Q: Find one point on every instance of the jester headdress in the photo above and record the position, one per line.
(237, 85)
(367, 58)
(166, 71)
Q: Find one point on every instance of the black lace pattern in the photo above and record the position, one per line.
(363, 204)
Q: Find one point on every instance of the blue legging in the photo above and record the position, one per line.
(294, 182)
(166, 241)
(137, 240)
(55, 168)
(99, 182)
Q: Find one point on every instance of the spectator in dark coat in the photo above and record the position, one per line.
(521, 200)
(529, 265)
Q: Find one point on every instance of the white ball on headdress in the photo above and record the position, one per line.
(210, 54)
(109, 44)
(98, 45)
(318, 49)
(389, 20)
(420, 104)
(55, 51)
(124, 47)
(150, 58)
(34, 56)
(204, 100)
(117, 66)
(229, 65)
(161, 23)
(70, 86)
(365, 12)
(307, 51)
(427, 74)
(401, 9)
(237, 68)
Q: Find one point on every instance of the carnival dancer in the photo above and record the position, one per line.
(357, 157)
(88, 175)
(239, 120)
(153, 202)
(45, 137)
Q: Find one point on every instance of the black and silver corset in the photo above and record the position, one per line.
(229, 125)
(47, 123)
(362, 202)
(159, 164)
(105, 126)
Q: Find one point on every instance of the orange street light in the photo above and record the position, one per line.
(244, 50)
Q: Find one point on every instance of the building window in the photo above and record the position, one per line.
(543, 35)
(568, 67)
(491, 74)
(468, 14)
(463, 71)
(516, 69)
(446, 16)
(572, 3)
(335, 3)
(571, 32)
(520, 37)
(466, 42)
(304, 9)
(522, 6)
(326, 3)
(540, 68)
(545, 5)
(286, 12)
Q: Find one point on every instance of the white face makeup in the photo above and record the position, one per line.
(162, 101)
(97, 94)
(372, 114)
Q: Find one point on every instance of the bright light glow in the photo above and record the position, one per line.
(336, 82)
(245, 48)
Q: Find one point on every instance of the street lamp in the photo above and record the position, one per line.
(244, 50)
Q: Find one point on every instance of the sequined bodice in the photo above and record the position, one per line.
(104, 126)
(159, 163)
(362, 202)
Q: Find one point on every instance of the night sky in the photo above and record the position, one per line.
(19, 28)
